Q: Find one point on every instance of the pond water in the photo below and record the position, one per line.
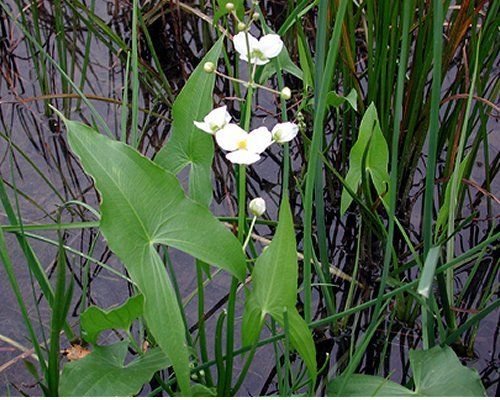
(179, 41)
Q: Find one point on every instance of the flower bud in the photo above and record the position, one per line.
(285, 132)
(286, 93)
(242, 26)
(255, 16)
(257, 206)
(229, 7)
(209, 67)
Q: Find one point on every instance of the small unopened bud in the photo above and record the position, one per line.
(242, 26)
(209, 67)
(257, 206)
(255, 16)
(286, 93)
(255, 2)
(229, 7)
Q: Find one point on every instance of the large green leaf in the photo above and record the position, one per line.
(370, 152)
(439, 372)
(359, 385)
(103, 373)
(188, 146)
(94, 320)
(274, 289)
(143, 205)
(436, 372)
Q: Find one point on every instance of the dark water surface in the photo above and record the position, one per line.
(179, 42)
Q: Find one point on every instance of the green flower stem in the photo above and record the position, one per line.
(249, 235)
(201, 321)
(241, 237)
(250, 84)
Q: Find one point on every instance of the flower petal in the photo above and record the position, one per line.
(285, 132)
(258, 140)
(270, 45)
(240, 44)
(230, 136)
(242, 157)
(203, 126)
(259, 61)
(227, 117)
(218, 117)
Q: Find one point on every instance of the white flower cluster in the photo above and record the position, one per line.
(244, 147)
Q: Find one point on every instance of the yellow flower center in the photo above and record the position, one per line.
(242, 144)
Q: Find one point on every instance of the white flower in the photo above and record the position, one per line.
(215, 120)
(267, 47)
(285, 132)
(257, 206)
(245, 148)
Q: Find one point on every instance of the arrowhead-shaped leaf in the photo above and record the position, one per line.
(377, 161)
(143, 205)
(274, 288)
(335, 100)
(437, 372)
(359, 385)
(189, 146)
(370, 142)
(94, 320)
(102, 373)
(353, 177)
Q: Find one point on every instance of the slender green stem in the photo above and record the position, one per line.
(437, 49)
(134, 126)
(241, 237)
(393, 187)
(249, 235)
(324, 81)
(201, 319)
